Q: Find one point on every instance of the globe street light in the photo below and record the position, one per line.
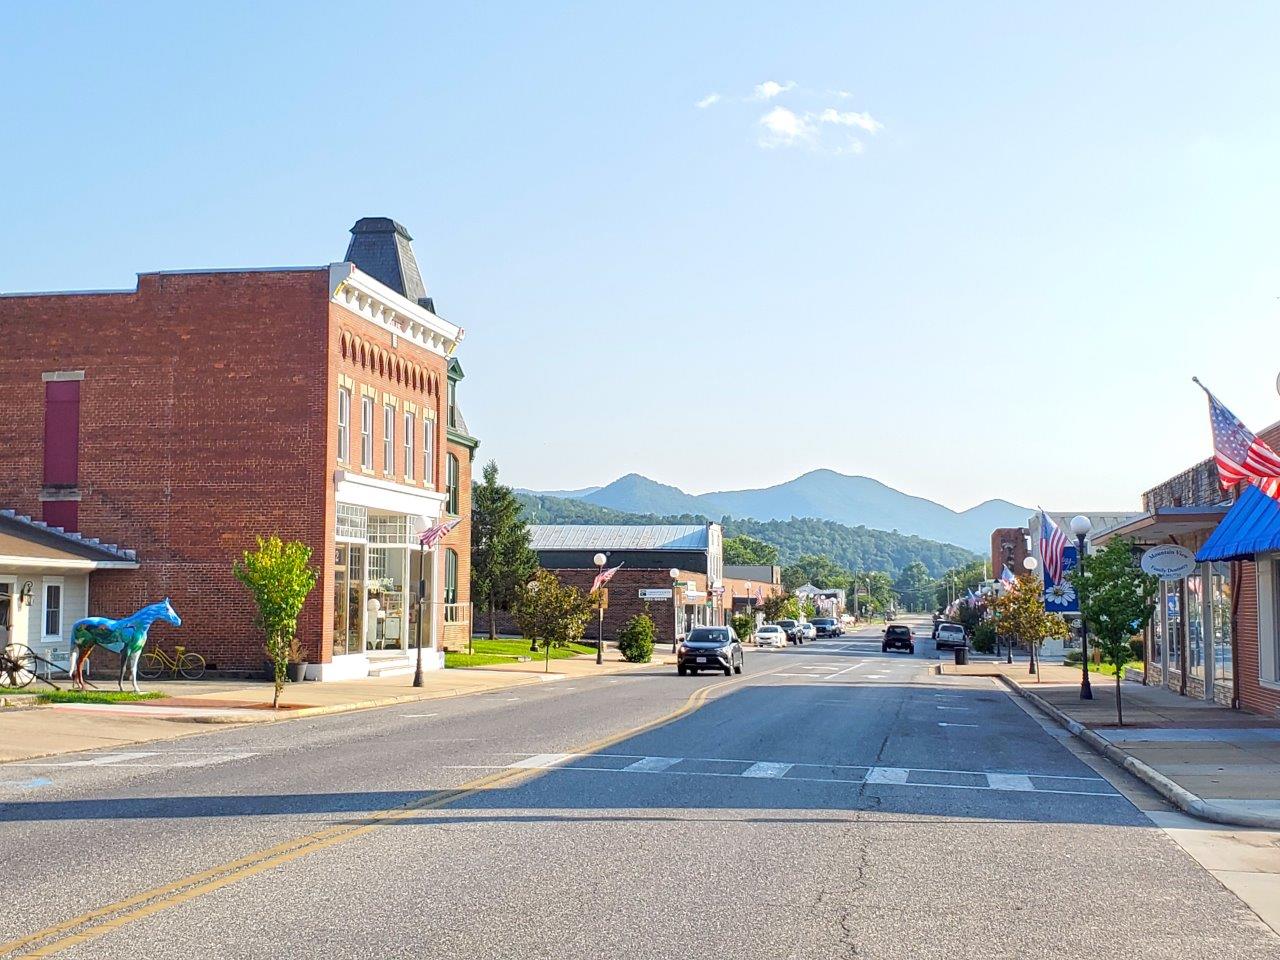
(1080, 526)
(675, 610)
(1029, 564)
(600, 560)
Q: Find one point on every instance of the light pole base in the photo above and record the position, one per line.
(1086, 691)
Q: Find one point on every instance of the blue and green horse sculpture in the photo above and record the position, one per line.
(126, 637)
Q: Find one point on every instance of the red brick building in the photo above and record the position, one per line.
(202, 409)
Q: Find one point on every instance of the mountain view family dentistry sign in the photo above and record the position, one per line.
(1168, 562)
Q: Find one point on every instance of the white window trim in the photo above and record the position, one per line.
(45, 584)
(366, 432)
(428, 450)
(389, 438)
(344, 424)
(410, 428)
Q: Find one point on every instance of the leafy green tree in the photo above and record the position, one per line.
(550, 613)
(915, 586)
(744, 549)
(280, 576)
(818, 570)
(635, 639)
(1023, 616)
(501, 560)
(1116, 602)
(744, 625)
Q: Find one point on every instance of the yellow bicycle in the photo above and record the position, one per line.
(190, 666)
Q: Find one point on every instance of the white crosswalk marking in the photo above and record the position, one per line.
(651, 764)
(887, 775)
(1010, 781)
(543, 760)
(765, 769)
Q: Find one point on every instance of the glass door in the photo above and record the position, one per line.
(348, 599)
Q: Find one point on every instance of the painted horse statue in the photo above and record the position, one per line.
(126, 637)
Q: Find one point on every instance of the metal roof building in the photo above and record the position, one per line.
(695, 537)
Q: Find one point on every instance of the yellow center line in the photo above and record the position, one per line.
(122, 912)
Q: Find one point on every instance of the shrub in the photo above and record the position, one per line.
(279, 575)
(1071, 656)
(1137, 649)
(984, 638)
(744, 625)
(635, 639)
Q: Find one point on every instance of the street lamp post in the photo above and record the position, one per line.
(1029, 564)
(1081, 526)
(422, 611)
(675, 609)
(600, 560)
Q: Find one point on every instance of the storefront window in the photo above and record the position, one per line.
(1173, 624)
(450, 576)
(386, 586)
(348, 574)
(1221, 621)
(1195, 625)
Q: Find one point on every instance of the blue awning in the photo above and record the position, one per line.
(1250, 527)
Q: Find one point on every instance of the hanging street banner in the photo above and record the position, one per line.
(1061, 597)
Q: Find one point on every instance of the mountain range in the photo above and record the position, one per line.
(820, 494)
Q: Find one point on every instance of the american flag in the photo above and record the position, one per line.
(603, 577)
(433, 535)
(1008, 579)
(1052, 542)
(1239, 454)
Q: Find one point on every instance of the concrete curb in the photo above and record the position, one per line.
(1179, 796)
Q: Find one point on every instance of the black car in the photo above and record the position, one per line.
(897, 636)
(827, 627)
(792, 630)
(709, 648)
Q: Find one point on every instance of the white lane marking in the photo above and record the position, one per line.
(954, 709)
(175, 758)
(874, 676)
(887, 775)
(1010, 781)
(942, 724)
(541, 761)
(763, 768)
(651, 764)
(110, 758)
(512, 699)
(420, 716)
(856, 666)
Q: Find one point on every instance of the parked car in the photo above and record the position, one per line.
(898, 636)
(828, 627)
(808, 631)
(771, 635)
(950, 635)
(792, 629)
(709, 648)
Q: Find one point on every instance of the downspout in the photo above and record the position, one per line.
(1237, 568)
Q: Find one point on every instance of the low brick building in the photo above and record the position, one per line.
(204, 408)
(644, 583)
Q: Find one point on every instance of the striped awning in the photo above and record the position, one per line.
(1250, 527)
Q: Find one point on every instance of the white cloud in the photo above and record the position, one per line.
(771, 88)
(840, 94)
(851, 119)
(781, 127)
(707, 101)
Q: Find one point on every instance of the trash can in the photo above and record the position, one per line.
(962, 656)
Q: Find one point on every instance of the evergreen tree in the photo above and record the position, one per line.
(501, 561)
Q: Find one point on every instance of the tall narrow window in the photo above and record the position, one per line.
(451, 484)
(344, 424)
(450, 576)
(453, 403)
(61, 507)
(429, 450)
(389, 439)
(366, 432)
(409, 430)
(52, 626)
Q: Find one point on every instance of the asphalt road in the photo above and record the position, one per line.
(831, 802)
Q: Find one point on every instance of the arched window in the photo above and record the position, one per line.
(450, 576)
(451, 484)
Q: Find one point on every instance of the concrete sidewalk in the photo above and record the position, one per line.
(191, 705)
(1217, 764)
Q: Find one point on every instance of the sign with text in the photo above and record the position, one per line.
(1168, 561)
(1061, 597)
(648, 593)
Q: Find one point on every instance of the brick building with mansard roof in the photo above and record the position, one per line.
(204, 408)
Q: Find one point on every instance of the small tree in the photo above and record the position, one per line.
(1116, 602)
(551, 614)
(635, 639)
(280, 576)
(501, 560)
(744, 625)
(1022, 615)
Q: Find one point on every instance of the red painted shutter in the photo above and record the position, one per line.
(61, 433)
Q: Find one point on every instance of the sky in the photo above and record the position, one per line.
(972, 250)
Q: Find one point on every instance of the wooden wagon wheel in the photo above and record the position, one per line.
(17, 666)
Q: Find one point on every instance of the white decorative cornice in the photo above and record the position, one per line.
(361, 294)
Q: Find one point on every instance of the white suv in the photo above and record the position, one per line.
(951, 635)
